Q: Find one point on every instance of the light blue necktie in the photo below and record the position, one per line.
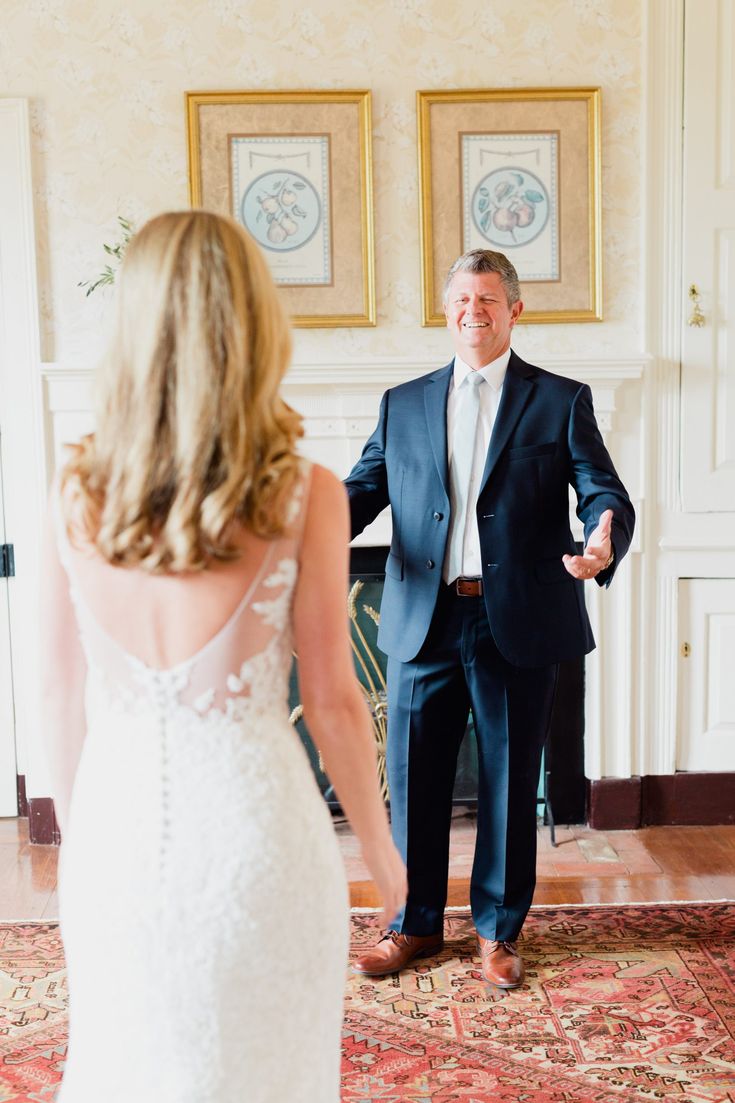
(464, 432)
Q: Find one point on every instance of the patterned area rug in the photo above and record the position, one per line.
(32, 1012)
(624, 1004)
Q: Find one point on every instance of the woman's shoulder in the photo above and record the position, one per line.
(326, 502)
(324, 486)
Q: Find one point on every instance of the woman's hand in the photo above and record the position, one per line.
(389, 874)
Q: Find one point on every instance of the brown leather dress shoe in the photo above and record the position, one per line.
(395, 951)
(502, 965)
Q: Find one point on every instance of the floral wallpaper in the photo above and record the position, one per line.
(106, 86)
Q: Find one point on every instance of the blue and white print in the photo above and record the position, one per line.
(510, 199)
(280, 192)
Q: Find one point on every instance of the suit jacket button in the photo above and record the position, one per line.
(429, 563)
(438, 516)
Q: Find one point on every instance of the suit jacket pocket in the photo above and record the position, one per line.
(532, 451)
(394, 566)
(552, 570)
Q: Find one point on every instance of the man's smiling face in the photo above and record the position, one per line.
(478, 316)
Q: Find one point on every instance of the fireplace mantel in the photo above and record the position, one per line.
(339, 401)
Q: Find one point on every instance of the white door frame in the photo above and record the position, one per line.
(8, 757)
(22, 430)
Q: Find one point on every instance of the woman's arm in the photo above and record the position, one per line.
(334, 710)
(63, 676)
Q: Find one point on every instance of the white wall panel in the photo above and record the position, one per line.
(708, 362)
(724, 379)
(706, 729)
(726, 103)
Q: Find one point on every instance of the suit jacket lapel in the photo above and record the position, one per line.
(518, 387)
(435, 405)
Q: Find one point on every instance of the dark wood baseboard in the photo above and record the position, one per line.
(613, 804)
(20, 780)
(42, 825)
(691, 799)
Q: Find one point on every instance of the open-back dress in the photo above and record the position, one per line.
(202, 894)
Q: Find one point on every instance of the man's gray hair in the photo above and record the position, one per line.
(484, 260)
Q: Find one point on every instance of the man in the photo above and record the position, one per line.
(483, 598)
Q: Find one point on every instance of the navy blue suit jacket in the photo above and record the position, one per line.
(545, 438)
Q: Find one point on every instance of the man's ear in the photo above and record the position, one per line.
(515, 311)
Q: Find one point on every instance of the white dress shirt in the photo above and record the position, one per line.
(494, 375)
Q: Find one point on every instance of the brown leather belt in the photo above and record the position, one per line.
(468, 587)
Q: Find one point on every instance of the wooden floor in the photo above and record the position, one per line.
(27, 874)
(592, 867)
(653, 864)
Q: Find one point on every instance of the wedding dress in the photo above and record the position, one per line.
(202, 894)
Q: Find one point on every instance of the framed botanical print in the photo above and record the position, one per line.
(516, 171)
(295, 169)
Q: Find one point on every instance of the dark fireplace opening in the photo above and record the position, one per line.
(564, 752)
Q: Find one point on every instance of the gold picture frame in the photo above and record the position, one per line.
(295, 168)
(517, 171)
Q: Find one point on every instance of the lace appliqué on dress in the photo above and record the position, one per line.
(276, 613)
(123, 684)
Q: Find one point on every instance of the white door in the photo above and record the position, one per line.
(706, 736)
(8, 764)
(708, 350)
(21, 426)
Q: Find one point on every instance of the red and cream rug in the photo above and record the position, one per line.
(32, 1012)
(624, 1004)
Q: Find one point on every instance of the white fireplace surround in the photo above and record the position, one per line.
(339, 402)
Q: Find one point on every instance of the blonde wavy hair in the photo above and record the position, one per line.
(191, 434)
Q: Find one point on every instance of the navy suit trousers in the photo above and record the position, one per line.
(459, 668)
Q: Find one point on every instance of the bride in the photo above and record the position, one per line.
(203, 900)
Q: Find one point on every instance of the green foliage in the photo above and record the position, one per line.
(117, 251)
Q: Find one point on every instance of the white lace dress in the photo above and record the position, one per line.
(202, 894)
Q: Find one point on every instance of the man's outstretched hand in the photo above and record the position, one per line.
(596, 555)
